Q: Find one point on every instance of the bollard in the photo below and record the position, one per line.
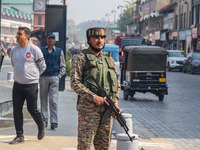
(123, 142)
(114, 124)
(119, 129)
(10, 76)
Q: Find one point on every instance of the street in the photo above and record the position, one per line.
(176, 118)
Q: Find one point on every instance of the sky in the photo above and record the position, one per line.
(84, 10)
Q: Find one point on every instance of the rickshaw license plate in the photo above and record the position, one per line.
(162, 79)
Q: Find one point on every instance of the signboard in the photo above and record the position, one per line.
(194, 33)
(163, 36)
(185, 33)
(172, 34)
(157, 35)
(59, 28)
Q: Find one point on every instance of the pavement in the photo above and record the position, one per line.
(65, 136)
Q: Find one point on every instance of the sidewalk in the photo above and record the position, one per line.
(65, 136)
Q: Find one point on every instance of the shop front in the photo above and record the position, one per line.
(157, 39)
(185, 40)
(194, 39)
(172, 40)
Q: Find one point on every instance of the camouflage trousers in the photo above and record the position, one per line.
(89, 130)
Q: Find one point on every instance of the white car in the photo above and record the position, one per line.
(175, 59)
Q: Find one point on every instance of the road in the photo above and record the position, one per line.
(176, 118)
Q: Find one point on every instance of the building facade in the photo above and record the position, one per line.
(11, 19)
(173, 24)
(195, 24)
(151, 19)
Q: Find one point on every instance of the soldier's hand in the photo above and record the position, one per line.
(100, 100)
(119, 111)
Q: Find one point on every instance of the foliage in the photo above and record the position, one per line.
(125, 19)
(126, 16)
(68, 67)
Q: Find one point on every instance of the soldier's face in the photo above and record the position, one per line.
(97, 42)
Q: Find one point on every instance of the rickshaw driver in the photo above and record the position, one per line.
(90, 106)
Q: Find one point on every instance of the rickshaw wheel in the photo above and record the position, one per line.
(161, 97)
(125, 95)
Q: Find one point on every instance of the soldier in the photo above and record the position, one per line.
(90, 106)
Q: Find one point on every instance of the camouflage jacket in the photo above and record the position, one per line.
(85, 96)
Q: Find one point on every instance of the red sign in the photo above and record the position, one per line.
(194, 33)
(171, 36)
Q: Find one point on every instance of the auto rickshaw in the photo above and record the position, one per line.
(114, 52)
(144, 70)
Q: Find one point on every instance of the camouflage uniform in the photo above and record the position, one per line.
(89, 114)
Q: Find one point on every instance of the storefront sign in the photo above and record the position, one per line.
(157, 35)
(185, 33)
(194, 33)
(172, 34)
(153, 40)
(163, 36)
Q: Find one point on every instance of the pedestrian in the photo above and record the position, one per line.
(90, 106)
(28, 63)
(49, 80)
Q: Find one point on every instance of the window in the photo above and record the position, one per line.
(176, 21)
(184, 20)
(39, 20)
(181, 20)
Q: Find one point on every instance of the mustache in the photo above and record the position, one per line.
(98, 43)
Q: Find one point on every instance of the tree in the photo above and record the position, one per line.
(127, 15)
(125, 18)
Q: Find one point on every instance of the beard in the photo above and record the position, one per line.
(96, 49)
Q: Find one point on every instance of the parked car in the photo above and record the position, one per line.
(192, 63)
(175, 59)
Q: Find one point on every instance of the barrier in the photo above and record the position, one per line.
(10, 76)
(123, 142)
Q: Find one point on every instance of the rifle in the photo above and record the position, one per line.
(111, 108)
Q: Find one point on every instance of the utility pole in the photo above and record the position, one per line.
(178, 26)
(108, 17)
(114, 11)
(120, 6)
